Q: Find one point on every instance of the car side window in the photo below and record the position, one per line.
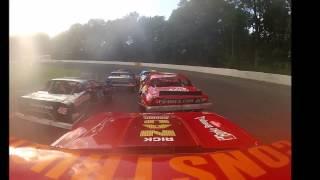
(79, 88)
(185, 82)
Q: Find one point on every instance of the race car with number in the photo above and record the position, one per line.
(166, 92)
(181, 145)
(63, 101)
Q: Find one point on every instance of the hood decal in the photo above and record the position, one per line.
(140, 131)
(217, 133)
(34, 161)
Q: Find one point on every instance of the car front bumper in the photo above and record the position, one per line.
(182, 107)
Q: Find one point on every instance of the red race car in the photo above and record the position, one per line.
(166, 92)
(182, 145)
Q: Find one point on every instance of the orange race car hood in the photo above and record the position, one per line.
(180, 132)
(34, 161)
(152, 146)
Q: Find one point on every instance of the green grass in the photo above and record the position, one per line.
(284, 68)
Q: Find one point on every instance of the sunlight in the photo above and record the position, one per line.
(55, 16)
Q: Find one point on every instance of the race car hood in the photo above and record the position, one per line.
(34, 161)
(180, 132)
(45, 96)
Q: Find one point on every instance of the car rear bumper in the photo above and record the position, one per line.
(183, 107)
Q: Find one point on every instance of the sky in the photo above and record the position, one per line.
(54, 16)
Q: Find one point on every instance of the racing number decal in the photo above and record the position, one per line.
(157, 129)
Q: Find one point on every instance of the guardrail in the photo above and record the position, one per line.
(259, 76)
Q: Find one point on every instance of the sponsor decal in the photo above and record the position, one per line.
(176, 101)
(213, 128)
(157, 129)
(155, 117)
(155, 139)
(96, 129)
(179, 89)
(217, 124)
(63, 110)
(269, 161)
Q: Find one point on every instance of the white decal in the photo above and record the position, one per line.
(179, 89)
(63, 110)
(157, 139)
(217, 124)
(217, 133)
(96, 129)
(155, 117)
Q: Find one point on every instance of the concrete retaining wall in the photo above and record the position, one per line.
(259, 76)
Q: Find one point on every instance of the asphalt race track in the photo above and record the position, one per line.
(263, 109)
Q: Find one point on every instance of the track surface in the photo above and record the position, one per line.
(263, 109)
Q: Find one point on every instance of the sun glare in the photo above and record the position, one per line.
(55, 16)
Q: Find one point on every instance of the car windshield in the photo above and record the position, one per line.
(145, 73)
(62, 87)
(120, 74)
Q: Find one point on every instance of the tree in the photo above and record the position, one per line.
(221, 33)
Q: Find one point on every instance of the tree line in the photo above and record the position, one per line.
(241, 34)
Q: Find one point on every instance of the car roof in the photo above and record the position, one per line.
(75, 79)
(122, 70)
(143, 71)
(147, 71)
(159, 75)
